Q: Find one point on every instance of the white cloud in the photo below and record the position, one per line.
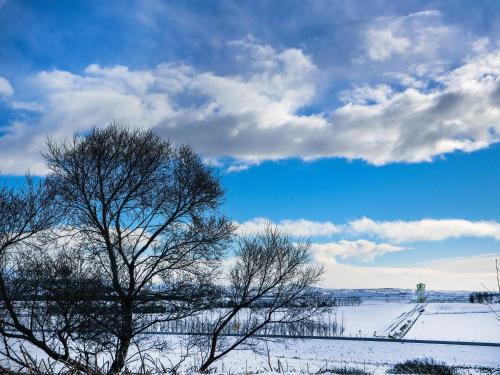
(298, 228)
(27, 106)
(255, 115)
(407, 80)
(478, 264)
(238, 167)
(361, 249)
(414, 125)
(363, 95)
(381, 44)
(426, 229)
(6, 89)
(397, 231)
(466, 273)
(420, 33)
(480, 45)
(441, 276)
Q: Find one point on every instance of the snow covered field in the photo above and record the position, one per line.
(457, 321)
(313, 355)
(370, 317)
(439, 321)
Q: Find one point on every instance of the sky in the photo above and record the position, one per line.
(370, 128)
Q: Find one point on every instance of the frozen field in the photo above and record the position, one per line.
(457, 321)
(435, 321)
(310, 356)
(439, 321)
(369, 318)
(376, 357)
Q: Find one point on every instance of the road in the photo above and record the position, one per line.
(342, 338)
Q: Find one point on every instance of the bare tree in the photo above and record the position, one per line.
(123, 234)
(498, 274)
(27, 216)
(270, 284)
(147, 215)
(488, 297)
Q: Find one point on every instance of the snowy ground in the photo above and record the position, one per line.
(448, 321)
(374, 357)
(369, 318)
(439, 321)
(457, 321)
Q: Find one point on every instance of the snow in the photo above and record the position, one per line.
(457, 321)
(449, 321)
(439, 321)
(366, 319)
(312, 355)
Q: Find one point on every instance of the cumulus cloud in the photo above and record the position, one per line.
(363, 95)
(398, 231)
(238, 167)
(426, 229)
(473, 273)
(361, 249)
(467, 273)
(255, 115)
(481, 44)
(5, 86)
(414, 125)
(411, 35)
(297, 228)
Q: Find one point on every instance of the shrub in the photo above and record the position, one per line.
(422, 366)
(342, 371)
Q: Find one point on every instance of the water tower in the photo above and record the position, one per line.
(420, 292)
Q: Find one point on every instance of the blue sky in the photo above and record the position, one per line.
(370, 127)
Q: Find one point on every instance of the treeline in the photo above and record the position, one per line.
(156, 301)
(313, 299)
(324, 327)
(484, 297)
(346, 301)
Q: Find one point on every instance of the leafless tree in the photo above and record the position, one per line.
(490, 296)
(147, 213)
(498, 274)
(270, 284)
(139, 232)
(27, 215)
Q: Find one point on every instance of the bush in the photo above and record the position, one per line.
(422, 366)
(342, 371)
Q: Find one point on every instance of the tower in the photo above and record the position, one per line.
(420, 292)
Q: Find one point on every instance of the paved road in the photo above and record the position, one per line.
(344, 338)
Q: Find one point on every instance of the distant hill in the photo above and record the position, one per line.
(396, 294)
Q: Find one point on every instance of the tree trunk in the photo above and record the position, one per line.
(125, 339)
(211, 356)
(205, 366)
(121, 355)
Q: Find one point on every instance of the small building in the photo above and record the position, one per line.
(420, 292)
